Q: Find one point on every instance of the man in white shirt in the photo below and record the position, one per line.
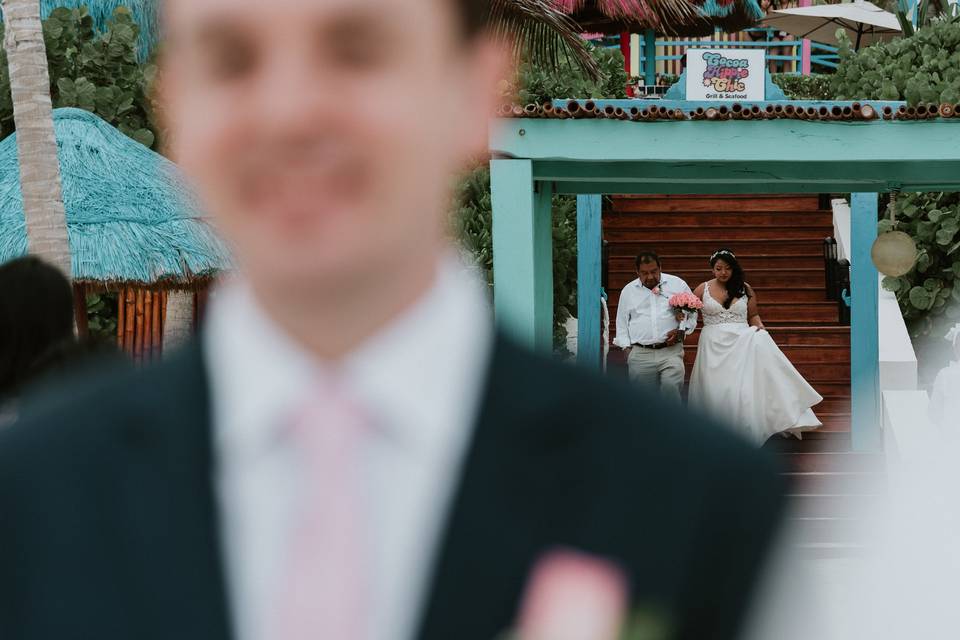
(651, 331)
(351, 451)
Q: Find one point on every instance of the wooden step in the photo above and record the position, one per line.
(759, 279)
(845, 531)
(715, 203)
(674, 263)
(803, 336)
(717, 219)
(819, 441)
(796, 355)
(705, 248)
(834, 462)
(825, 505)
(718, 236)
(867, 483)
(782, 313)
(799, 293)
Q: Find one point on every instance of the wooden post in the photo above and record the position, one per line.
(131, 317)
(864, 325)
(650, 57)
(588, 280)
(805, 66)
(522, 253)
(155, 326)
(147, 325)
(625, 50)
(121, 316)
(138, 339)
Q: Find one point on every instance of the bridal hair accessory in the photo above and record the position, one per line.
(723, 252)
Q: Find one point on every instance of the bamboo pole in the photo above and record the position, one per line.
(128, 330)
(147, 325)
(157, 330)
(121, 317)
(138, 339)
(163, 314)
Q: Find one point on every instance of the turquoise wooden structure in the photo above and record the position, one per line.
(535, 158)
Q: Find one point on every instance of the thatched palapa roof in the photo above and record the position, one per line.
(131, 217)
(682, 18)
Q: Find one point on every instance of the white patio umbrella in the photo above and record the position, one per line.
(865, 23)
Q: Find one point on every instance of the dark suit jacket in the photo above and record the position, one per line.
(109, 529)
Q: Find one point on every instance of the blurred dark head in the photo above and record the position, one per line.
(36, 314)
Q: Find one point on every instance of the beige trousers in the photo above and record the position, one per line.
(660, 369)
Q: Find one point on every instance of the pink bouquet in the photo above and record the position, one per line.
(686, 303)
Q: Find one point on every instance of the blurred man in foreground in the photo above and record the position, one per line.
(352, 451)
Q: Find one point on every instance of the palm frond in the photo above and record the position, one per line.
(541, 32)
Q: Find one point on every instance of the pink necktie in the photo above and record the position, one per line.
(323, 590)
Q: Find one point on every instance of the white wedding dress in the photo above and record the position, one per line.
(743, 379)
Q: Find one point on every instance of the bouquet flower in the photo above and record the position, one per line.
(684, 303)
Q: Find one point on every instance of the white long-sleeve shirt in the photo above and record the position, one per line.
(419, 382)
(646, 318)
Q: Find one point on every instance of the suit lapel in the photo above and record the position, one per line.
(499, 518)
(172, 539)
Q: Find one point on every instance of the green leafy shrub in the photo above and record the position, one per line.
(812, 87)
(94, 71)
(537, 84)
(473, 224)
(929, 295)
(922, 68)
(102, 317)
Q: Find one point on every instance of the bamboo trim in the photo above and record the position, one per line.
(148, 325)
(121, 318)
(138, 339)
(157, 333)
(129, 329)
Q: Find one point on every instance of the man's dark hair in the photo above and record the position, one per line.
(646, 257)
(473, 15)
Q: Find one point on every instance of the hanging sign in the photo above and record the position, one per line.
(726, 74)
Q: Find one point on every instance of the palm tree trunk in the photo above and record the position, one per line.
(178, 325)
(43, 208)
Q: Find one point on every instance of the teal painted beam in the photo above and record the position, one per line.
(522, 253)
(864, 329)
(650, 57)
(588, 280)
(878, 155)
(701, 188)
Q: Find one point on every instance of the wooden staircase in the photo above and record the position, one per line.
(779, 241)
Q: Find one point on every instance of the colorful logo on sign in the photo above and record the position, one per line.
(725, 75)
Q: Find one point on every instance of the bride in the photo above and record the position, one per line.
(740, 374)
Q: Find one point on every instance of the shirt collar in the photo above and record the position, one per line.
(419, 378)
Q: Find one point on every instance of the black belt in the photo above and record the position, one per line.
(654, 347)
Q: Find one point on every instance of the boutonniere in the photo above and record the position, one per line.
(577, 596)
(657, 289)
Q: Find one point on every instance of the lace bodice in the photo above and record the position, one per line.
(714, 313)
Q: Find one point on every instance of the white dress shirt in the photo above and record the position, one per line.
(644, 317)
(420, 382)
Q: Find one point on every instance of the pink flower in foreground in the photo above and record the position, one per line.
(574, 596)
